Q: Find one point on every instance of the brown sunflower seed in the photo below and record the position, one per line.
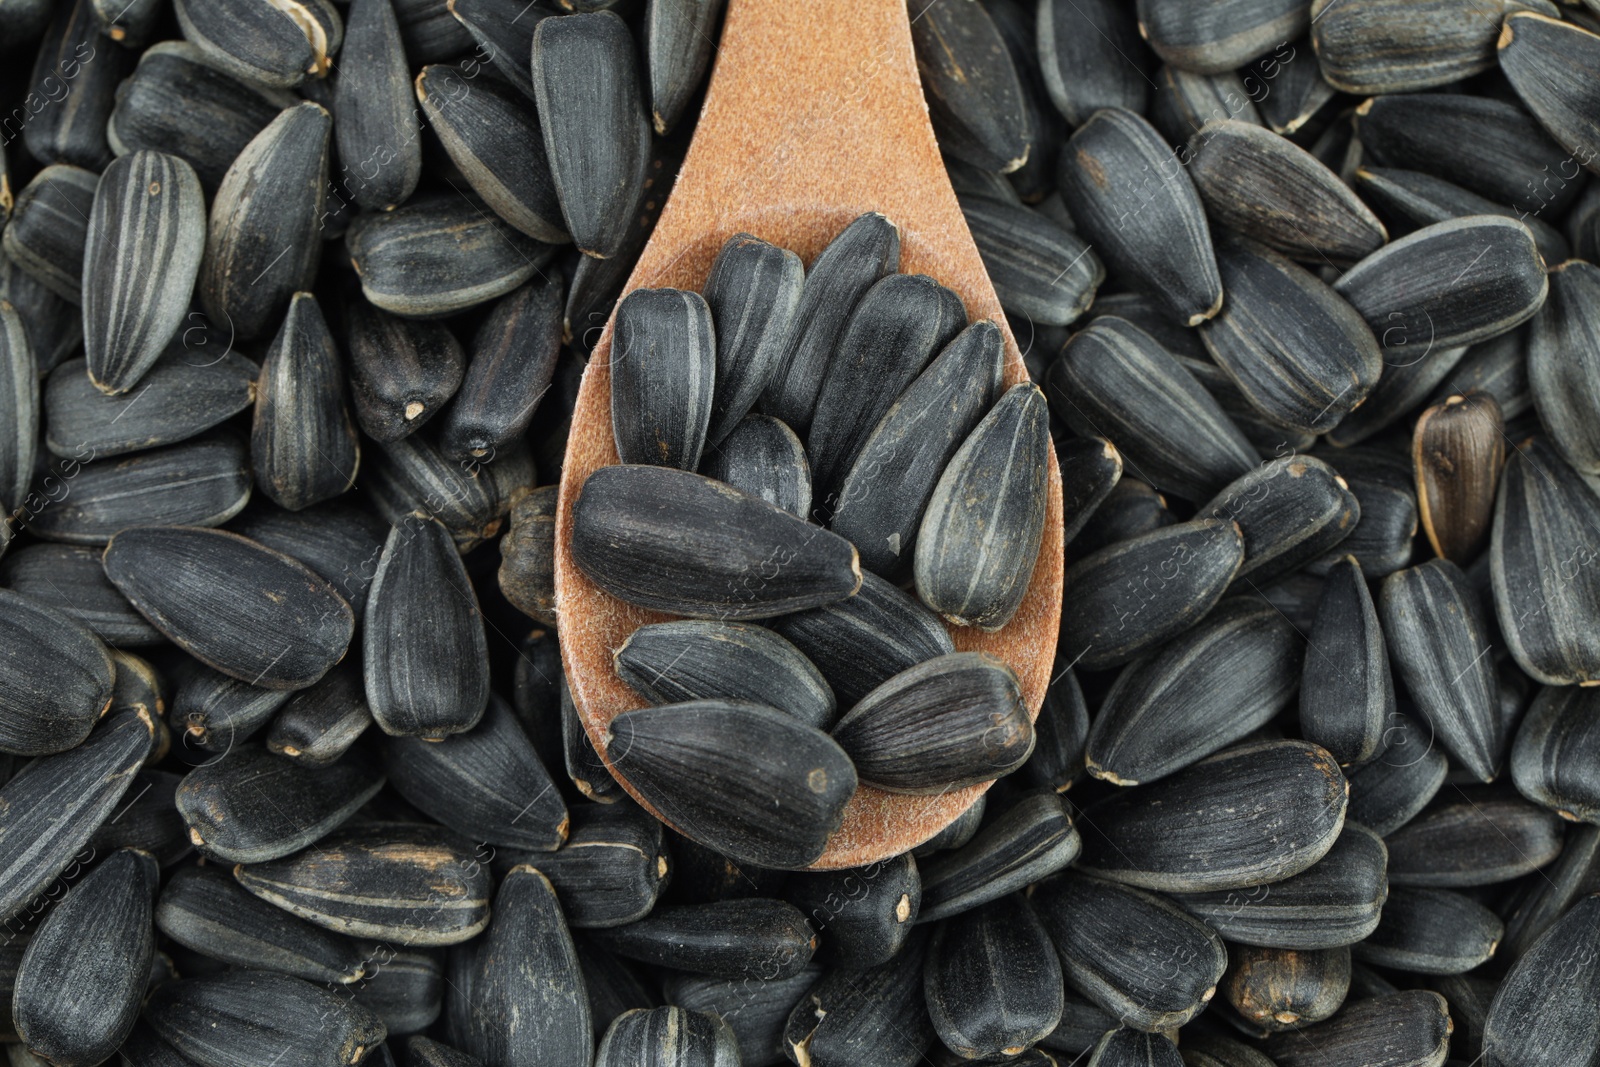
(246, 1016)
(1458, 447)
(1539, 54)
(1277, 988)
(764, 458)
(49, 228)
(276, 44)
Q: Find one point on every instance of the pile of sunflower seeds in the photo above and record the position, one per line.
(1309, 293)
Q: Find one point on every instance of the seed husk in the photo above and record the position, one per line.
(426, 658)
(338, 540)
(1222, 36)
(1436, 636)
(377, 123)
(1133, 953)
(864, 914)
(1410, 199)
(1392, 46)
(1040, 270)
(53, 805)
(1294, 204)
(1540, 1016)
(678, 542)
(993, 980)
(728, 939)
(250, 806)
(699, 762)
(863, 252)
(861, 642)
(1111, 620)
(438, 254)
(980, 534)
(401, 371)
(670, 662)
(237, 606)
(1564, 363)
(1186, 101)
(757, 1011)
(238, 1018)
(663, 366)
(49, 228)
(68, 579)
(1091, 56)
(409, 477)
(1451, 283)
(1337, 901)
(877, 1016)
(1458, 448)
(513, 360)
(204, 909)
(754, 292)
(1346, 689)
(212, 711)
(1404, 1029)
(1291, 511)
(1549, 897)
(667, 1037)
(610, 869)
(974, 95)
(79, 987)
(57, 679)
(408, 882)
(1275, 989)
(764, 458)
(1549, 63)
(896, 328)
(487, 783)
(1116, 381)
(1552, 759)
(596, 135)
(76, 75)
(303, 443)
(1431, 931)
(1141, 214)
(1476, 840)
(179, 397)
(1206, 689)
(1032, 839)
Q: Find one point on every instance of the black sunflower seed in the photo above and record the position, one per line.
(1498, 367)
(1410, 199)
(754, 938)
(1560, 884)
(241, 608)
(585, 768)
(1346, 689)
(1470, 839)
(1291, 510)
(1298, 92)
(757, 1011)
(1295, 206)
(319, 724)
(669, 662)
(75, 76)
(596, 136)
(863, 252)
(378, 131)
(1131, 508)
(406, 992)
(146, 236)
(49, 228)
(1041, 271)
(1198, 693)
(864, 914)
(1276, 988)
(1032, 839)
(663, 366)
(401, 372)
(1256, 813)
(1439, 647)
(1390, 46)
(1060, 733)
(974, 95)
(54, 326)
(1138, 208)
(1408, 1029)
(204, 909)
(1564, 363)
(877, 1016)
(1091, 467)
(424, 653)
(70, 580)
(79, 988)
(679, 36)
(242, 1017)
(1539, 54)
(1458, 448)
(753, 292)
(667, 1037)
(1431, 931)
(1185, 101)
(678, 542)
(1269, 439)
(1382, 542)
(58, 677)
(213, 712)
(503, 31)
(1116, 381)
(1552, 759)
(1538, 1017)
(407, 882)
(1091, 56)
(1411, 371)
(128, 22)
(980, 535)
(696, 762)
(1393, 788)
(764, 458)
(993, 980)
(1135, 954)
(338, 540)
(1133, 595)
(274, 44)
(424, 1052)
(1221, 36)
(1125, 1047)
(179, 397)
(611, 868)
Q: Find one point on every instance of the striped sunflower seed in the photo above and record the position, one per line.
(1536, 1022)
(1457, 449)
(1405, 1029)
(1481, 839)
(1346, 690)
(58, 678)
(54, 326)
(275, 44)
(1552, 757)
(668, 1036)
(241, 1017)
(19, 407)
(757, 1011)
(663, 366)
(1562, 884)
(180, 397)
(611, 868)
(993, 980)
(1091, 56)
(70, 580)
(1563, 363)
(317, 725)
(1498, 367)
(1221, 37)
(1032, 839)
(974, 96)
(1431, 931)
(1291, 511)
(1538, 53)
(1186, 101)
(679, 36)
(49, 228)
(402, 372)
(503, 31)
(513, 360)
(1091, 467)
(588, 772)
(378, 128)
(1041, 271)
(764, 458)
(1411, 199)
(1125, 1047)
(1299, 92)
(406, 993)
(1412, 369)
(1392, 46)
(753, 292)
(1060, 733)
(1131, 508)
(213, 712)
(71, 127)
(727, 939)
(337, 540)
(863, 936)
(1382, 542)
(878, 1015)
(1392, 789)
(1276, 989)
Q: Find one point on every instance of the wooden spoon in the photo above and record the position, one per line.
(815, 115)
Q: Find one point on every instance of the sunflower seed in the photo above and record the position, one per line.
(596, 135)
(319, 724)
(1394, 787)
(993, 980)
(212, 712)
(503, 31)
(426, 662)
(492, 136)
(303, 443)
(1120, 1046)
(1564, 363)
(1410, 199)
(1275, 989)
(1091, 56)
(1199, 693)
(1382, 541)
(1437, 643)
(764, 458)
(1346, 690)
(513, 361)
(679, 36)
(75, 76)
(679, 542)
(527, 554)
(1408, 1029)
(663, 366)
(19, 406)
(179, 398)
(974, 95)
(1291, 511)
(586, 769)
(1582, 227)
(753, 292)
(1551, 757)
(755, 938)
(1032, 839)
(423, 1052)
(401, 372)
(1411, 371)
(1107, 623)
(876, 1016)
(1091, 467)
(242, 1017)
(1391, 46)
(1131, 508)
(1115, 380)
(1060, 734)
(1478, 840)
(261, 247)
(611, 868)
(49, 227)
(1458, 447)
(668, 1037)
(1538, 53)
(692, 761)
(25, 20)
(1141, 213)
(338, 540)
(1431, 931)
(1296, 206)
(1134, 954)
(58, 677)
(1538, 1017)
(757, 1011)
(239, 607)
(407, 990)
(1223, 37)
(1186, 101)
(861, 254)
(1040, 270)
(1498, 367)
(274, 44)
(864, 914)
(378, 128)
(204, 909)
(54, 326)
(1299, 92)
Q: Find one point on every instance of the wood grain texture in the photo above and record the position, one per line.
(815, 115)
